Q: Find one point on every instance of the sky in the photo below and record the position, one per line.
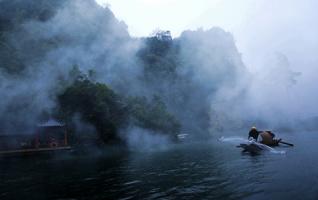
(253, 23)
(261, 29)
(144, 16)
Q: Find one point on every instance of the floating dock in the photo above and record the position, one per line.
(33, 151)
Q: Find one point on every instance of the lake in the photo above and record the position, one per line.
(196, 170)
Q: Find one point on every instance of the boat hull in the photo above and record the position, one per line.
(273, 143)
(251, 148)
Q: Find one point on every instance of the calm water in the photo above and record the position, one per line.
(206, 170)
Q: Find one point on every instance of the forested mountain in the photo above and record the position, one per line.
(74, 58)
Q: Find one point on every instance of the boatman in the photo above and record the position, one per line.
(268, 138)
(253, 134)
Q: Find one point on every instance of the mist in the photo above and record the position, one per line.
(79, 33)
(89, 111)
(278, 42)
(266, 33)
(210, 79)
(142, 140)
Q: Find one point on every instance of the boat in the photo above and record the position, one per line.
(256, 148)
(253, 148)
(273, 143)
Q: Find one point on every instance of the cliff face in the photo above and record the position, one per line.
(32, 29)
(40, 42)
(196, 77)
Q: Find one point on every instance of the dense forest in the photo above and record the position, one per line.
(74, 61)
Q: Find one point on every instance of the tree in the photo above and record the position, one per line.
(153, 115)
(97, 104)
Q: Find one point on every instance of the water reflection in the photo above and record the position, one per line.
(206, 170)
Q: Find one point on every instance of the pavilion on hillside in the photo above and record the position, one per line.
(51, 134)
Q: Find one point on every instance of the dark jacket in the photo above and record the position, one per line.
(253, 133)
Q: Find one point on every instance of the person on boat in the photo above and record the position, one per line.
(253, 134)
(268, 138)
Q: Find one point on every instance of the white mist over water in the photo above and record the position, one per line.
(143, 140)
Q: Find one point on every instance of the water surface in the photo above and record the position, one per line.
(199, 170)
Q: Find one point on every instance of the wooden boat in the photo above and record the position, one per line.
(252, 148)
(273, 143)
(255, 148)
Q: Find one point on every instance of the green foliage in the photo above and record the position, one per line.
(153, 115)
(161, 62)
(96, 104)
(158, 58)
(107, 112)
(76, 74)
